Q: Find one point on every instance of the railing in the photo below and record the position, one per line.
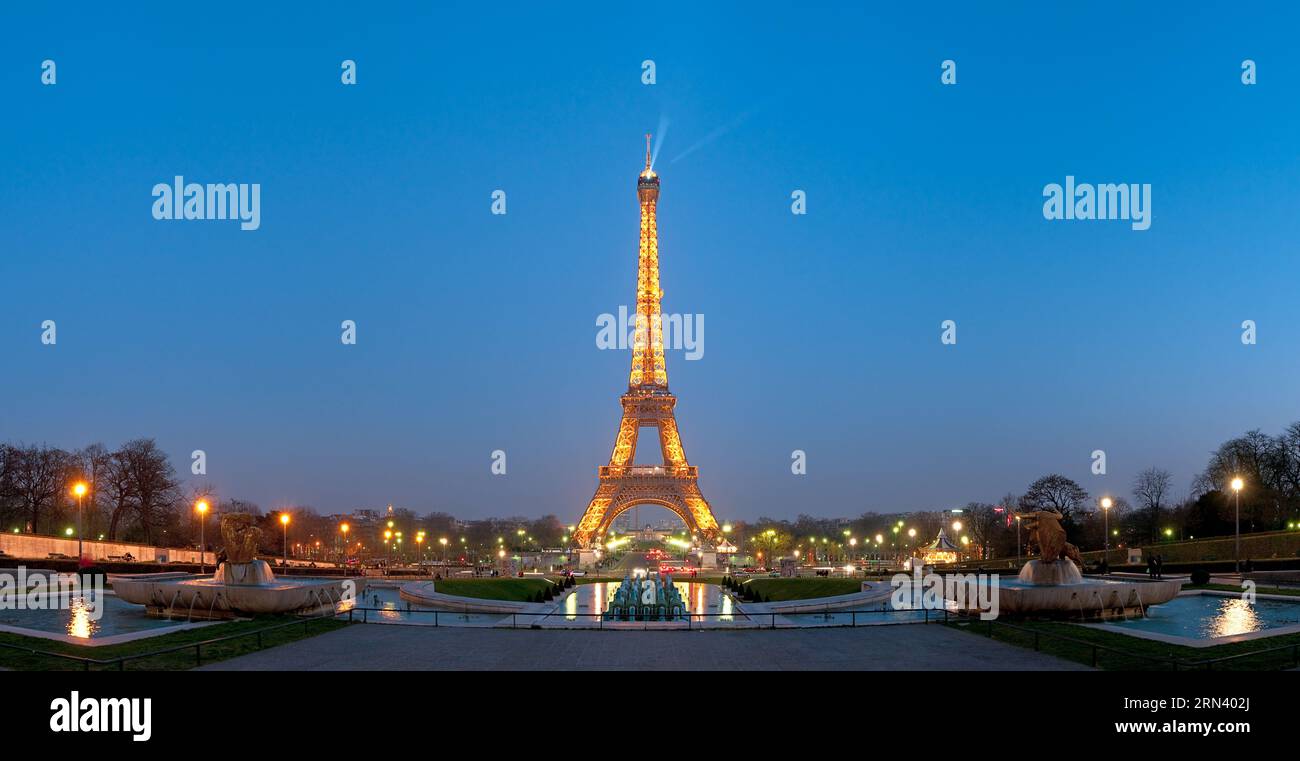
(197, 647)
(676, 471)
(689, 621)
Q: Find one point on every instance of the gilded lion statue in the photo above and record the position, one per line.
(1045, 532)
(242, 537)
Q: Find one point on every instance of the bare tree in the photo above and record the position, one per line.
(153, 485)
(118, 490)
(984, 523)
(1055, 492)
(37, 476)
(1151, 490)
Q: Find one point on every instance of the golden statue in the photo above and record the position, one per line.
(1045, 532)
(242, 537)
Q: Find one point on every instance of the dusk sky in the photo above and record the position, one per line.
(476, 332)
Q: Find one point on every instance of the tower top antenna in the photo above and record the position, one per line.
(647, 150)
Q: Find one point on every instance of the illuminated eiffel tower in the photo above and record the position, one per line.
(647, 404)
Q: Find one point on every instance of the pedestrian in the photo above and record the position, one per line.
(1151, 566)
(1160, 567)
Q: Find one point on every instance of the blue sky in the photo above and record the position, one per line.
(477, 332)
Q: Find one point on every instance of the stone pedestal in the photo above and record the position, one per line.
(1051, 574)
(245, 574)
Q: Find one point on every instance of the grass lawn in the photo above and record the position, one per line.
(182, 659)
(1132, 648)
(780, 590)
(596, 579)
(517, 590)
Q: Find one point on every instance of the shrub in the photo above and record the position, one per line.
(1200, 576)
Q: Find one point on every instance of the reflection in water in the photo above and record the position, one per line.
(83, 623)
(1210, 616)
(704, 601)
(1235, 616)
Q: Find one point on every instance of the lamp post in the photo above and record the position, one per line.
(443, 542)
(344, 529)
(80, 490)
(1106, 502)
(1017, 538)
(202, 508)
(1237, 483)
(284, 521)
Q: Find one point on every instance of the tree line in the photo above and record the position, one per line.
(132, 494)
(1269, 467)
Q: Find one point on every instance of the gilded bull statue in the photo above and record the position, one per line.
(1046, 533)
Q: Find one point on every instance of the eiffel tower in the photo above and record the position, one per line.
(647, 404)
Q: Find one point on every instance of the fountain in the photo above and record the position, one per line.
(645, 599)
(242, 584)
(1053, 584)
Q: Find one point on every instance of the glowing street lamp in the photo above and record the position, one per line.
(284, 521)
(79, 489)
(443, 542)
(1237, 483)
(1017, 537)
(1106, 502)
(201, 507)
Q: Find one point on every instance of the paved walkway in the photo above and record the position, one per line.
(902, 647)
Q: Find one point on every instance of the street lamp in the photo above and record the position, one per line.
(1106, 502)
(1237, 483)
(80, 490)
(344, 528)
(284, 521)
(202, 508)
(1017, 537)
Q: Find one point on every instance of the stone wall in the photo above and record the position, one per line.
(39, 547)
(1259, 546)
